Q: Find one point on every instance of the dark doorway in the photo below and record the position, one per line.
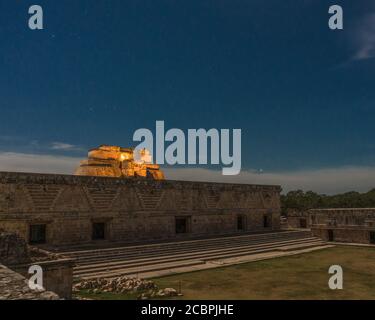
(182, 225)
(303, 223)
(330, 235)
(37, 234)
(266, 223)
(98, 231)
(241, 223)
(372, 237)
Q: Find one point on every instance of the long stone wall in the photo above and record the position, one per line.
(355, 225)
(131, 209)
(343, 216)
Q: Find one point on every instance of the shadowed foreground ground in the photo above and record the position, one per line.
(297, 277)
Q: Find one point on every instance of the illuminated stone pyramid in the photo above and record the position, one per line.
(113, 161)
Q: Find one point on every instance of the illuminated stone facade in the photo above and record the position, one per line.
(63, 209)
(113, 161)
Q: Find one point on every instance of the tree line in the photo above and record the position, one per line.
(301, 200)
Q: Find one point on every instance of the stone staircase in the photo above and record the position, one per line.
(143, 259)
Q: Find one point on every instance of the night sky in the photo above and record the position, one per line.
(302, 94)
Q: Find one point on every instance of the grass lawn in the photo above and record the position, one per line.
(302, 276)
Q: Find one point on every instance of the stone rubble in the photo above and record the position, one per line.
(13, 286)
(146, 288)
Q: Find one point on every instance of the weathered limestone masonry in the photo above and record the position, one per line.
(13, 286)
(63, 209)
(18, 256)
(298, 219)
(57, 275)
(344, 225)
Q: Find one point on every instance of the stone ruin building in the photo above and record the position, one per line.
(298, 219)
(352, 225)
(114, 199)
(116, 196)
(61, 209)
(113, 161)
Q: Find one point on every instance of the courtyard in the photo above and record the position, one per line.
(303, 276)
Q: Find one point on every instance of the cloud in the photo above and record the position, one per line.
(22, 144)
(23, 162)
(61, 146)
(365, 38)
(329, 180)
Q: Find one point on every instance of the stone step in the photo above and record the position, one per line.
(228, 261)
(170, 250)
(126, 255)
(178, 244)
(130, 260)
(92, 268)
(244, 253)
(301, 245)
(114, 260)
(129, 270)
